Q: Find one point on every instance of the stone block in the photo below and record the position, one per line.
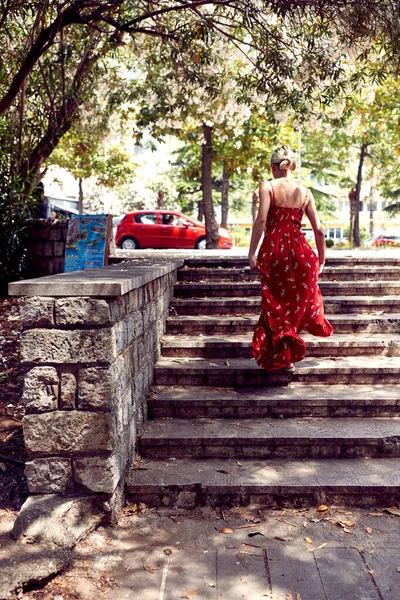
(98, 474)
(96, 389)
(75, 346)
(58, 265)
(121, 336)
(38, 249)
(53, 519)
(55, 234)
(36, 311)
(68, 391)
(59, 248)
(117, 308)
(48, 249)
(48, 475)
(40, 392)
(138, 324)
(69, 432)
(82, 311)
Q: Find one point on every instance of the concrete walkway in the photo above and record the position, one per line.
(237, 554)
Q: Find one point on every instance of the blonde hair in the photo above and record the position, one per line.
(284, 158)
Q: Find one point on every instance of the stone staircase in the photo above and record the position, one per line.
(222, 431)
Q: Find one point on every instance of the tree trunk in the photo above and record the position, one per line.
(224, 197)
(254, 206)
(160, 199)
(371, 213)
(363, 152)
(80, 196)
(212, 235)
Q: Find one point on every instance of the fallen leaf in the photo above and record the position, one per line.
(398, 569)
(348, 523)
(243, 578)
(254, 533)
(321, 546)
(347, 530)
(375, 514)
(283, 538)
(247, 526)
(228, 363)
(239, 463)
(190, 594)
(150, 568)
(224, 472)
(212, 585)
(322, 508)
(371, 571)
(308, 540)
(393, 511)
(212, 364)
(368, 530)
(361, 550)
(226, 530)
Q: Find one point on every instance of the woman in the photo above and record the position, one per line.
(289, 268)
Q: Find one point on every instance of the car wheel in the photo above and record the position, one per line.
(201, 243)
(129, 243)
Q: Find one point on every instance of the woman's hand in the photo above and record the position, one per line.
(253, 262)
(321, 268)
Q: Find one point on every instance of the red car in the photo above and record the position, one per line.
(386, 240)
(164, 229)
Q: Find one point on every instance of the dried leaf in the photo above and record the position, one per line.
(243, 578)
(228, 363)
(371, 571)
(308, 540)
(239, 463)
(375, 514)
(254, 533)
(322, 508)
(224, 472)
(247, 526)
(321, 546)
(398, 569)
(283, 538)
(226, 530)
(347, 523)
(393, 511)
(347, 530)
(150, 568)
(213, 364)
(189, 594)
(368, 530)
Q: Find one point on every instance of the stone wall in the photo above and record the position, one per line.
(46, 246)
(90, 341)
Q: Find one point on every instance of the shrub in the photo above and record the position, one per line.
(329, 243)
(15, 209)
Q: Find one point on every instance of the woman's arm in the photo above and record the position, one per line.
(311, 212)
(259, 223)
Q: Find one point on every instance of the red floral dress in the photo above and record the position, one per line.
(291, 299)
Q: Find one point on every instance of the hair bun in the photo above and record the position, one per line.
(285, 164)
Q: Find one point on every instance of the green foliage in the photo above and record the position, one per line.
(240, 237)
(329, 243)
(14, 211)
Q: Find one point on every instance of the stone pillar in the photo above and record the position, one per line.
(45, 246)
(90, 341)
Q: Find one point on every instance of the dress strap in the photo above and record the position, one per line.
(306, 200)
(273, 194)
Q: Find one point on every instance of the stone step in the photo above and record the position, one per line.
(251, 305)
(340, 344)
(228, 289)
(295, 400)
(244, 372)
(336, 259)
(228, 325)
(306, 437)
(340, 273)
(269, 483)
